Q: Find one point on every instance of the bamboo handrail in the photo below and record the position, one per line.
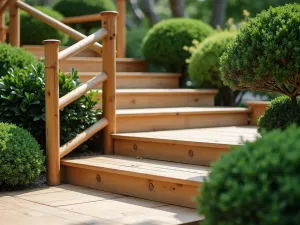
(83, 44)
(80, 138)
(81, 19)
(4, 7)
(56, 24)
(81, 90)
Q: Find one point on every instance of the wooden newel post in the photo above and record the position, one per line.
(51, 48)
(121, 39)
(2, 25)
(14, 23)
(109, 87)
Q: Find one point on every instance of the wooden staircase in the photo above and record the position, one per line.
(166, 137)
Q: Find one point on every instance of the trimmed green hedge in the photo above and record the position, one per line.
(257, 183)
(165, 41)
(34, 31)
(280, 114)
(15, 58)
(21, 158)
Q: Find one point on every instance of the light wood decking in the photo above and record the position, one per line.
(73, 205)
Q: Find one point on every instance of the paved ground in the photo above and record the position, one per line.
(72, 205)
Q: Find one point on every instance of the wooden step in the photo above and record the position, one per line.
(138, 120)
(127, 80)
(171, 183)
(161, 98)
(38, 51)
(94, 64)
(199, 146)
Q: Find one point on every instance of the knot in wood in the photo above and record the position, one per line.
(191, 153)
(98, 178)
(151, 187)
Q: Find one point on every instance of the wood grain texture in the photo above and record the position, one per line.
(199, 146)
(162, 98)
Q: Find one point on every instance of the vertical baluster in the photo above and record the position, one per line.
(109, 86)
(51, 48)
(14, 24)
(121, 38)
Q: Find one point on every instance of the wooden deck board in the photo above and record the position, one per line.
(164, 171)
(233, 135)
(35, 207)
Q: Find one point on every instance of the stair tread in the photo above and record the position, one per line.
(151, 91)
(181, 111)
(135, 74)
(215, 136)
(151, 169)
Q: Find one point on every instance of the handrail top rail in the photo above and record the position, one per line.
(81, 19)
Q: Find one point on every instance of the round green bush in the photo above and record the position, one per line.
(279, 114)
(82, 8)
(34, 31)
(21, 158)
(257, 183)
(15, 58)
(205, 62)
(266, 53)
(22, 101)
(165, 41)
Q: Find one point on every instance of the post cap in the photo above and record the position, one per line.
(109, 13)
(51, 41)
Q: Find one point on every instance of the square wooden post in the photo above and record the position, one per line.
(51, 48)
(14, 23)
(2, 24)
(109, 22)
(121, 38)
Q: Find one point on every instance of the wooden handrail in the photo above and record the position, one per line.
(81, 90)
(80, 138)
(81, 19)
(54, 103)
(55, 24)
(4, 6)
(83, 44)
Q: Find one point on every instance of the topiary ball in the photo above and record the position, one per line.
(82, 8)
(205, 62)
(266, 53)
(34, 31)
(21, 158)
(279, 114)
(165, 41)
(15, 58)
(257, 183)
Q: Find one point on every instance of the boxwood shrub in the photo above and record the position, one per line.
(266, 53)
(22, 101)
(280, 114)
(34, 31)
(204, 65)
(165, 41)
(82, 8)
(21, 158)
(257, 183)
(12, 57)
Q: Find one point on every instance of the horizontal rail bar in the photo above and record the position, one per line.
(83, 44)
(81, 90)
(4, 7)
(81, 19)
(57, 24)
(80, 138)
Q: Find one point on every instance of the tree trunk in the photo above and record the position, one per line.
(177, 8)
(219, 13)
(137, 12)
(147, 7)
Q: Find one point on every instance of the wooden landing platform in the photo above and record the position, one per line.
(198, 146)
(73, 205)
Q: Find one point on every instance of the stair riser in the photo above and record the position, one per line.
(96, 66)
(136, 123)
(140, 82)
(155, 190)
(182, 153)
(138, 101)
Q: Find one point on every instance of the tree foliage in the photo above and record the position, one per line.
(266, 53)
